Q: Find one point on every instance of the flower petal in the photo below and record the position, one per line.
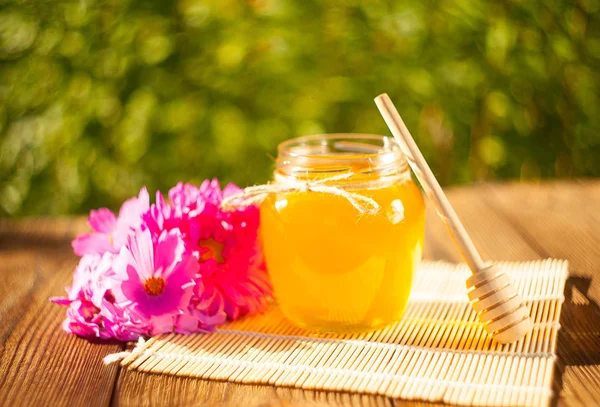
(186, 324)
(130, 217)
(60, 300)
(131, 288)
(91, 243)
(168, 251)
(179, 286)
(134, 207)
(209, 321)
(161, 324)
(231, 189)
(102, 220)
(141, 253)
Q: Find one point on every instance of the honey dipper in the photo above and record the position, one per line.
(493, 296)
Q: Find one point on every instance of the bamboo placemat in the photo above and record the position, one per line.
(437, 352)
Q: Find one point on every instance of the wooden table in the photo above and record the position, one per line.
(42, 365)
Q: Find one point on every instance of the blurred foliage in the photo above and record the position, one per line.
(98, 98)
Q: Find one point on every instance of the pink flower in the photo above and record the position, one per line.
(82, 319)
(207, 306)
(110, 233)
(92, 278)
(231, 253)
(162, 216)
(187, 202)
(120, 323)
(156, 280)
(234, 278)
(92, 312)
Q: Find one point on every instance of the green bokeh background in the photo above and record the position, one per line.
(98, 98)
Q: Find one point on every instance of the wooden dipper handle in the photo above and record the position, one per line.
(498, 305)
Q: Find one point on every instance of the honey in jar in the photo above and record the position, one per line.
(333, 268)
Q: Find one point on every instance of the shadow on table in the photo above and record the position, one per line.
(578, 344)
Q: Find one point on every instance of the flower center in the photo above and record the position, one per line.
(214, 250)
(154, 285)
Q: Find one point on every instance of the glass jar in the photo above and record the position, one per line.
(333, 268)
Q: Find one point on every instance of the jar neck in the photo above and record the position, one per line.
(367, 157)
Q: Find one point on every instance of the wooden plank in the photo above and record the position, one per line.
(494, 237)
(39, 363)
(140, 389)
(561, 220)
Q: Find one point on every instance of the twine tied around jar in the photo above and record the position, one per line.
(256, 194)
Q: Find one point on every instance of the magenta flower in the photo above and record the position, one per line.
(82, 319)
(92, 278)
(234, 277)
(156, 280)
(110, 233)
(120, 323)
(92, 312)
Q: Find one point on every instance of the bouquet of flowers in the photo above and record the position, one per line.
(186, 265)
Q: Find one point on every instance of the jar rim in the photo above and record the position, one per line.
(340, 152)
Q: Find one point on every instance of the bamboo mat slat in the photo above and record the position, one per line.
(437, 352)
